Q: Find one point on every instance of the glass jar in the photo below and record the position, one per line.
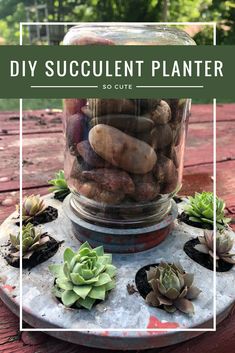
(124, 157)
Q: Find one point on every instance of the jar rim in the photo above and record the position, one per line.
(153, 29)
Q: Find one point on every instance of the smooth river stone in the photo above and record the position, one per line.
(125, 122)
(162, 136)
(89, 156)
(73, 106)
(162, 113)
(85, 37)
(146, 106)
(122, 150)
(166, 173)
(111, 179)
(94, 191)
(100, 107)
(146, 187)
(76, 131)
(178, 109)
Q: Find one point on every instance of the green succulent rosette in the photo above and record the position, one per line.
(32, 206)
(85, 276)
(32, 240)
(59, 186)
(200, 210)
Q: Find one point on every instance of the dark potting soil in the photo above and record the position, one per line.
(177, 199)
(48, 250)
(48, 215)
(183, 217)
(142, 284)
(141, 281)
(61, 195)
(204, 260)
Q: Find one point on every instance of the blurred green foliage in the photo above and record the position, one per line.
(223, 12)
(14, 11)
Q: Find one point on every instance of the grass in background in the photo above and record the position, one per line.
(35, 104)
(30, 104)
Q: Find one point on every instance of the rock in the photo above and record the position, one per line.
(93, 191)
(125, 122)
(111, 179)
(146, 187)
(174, 153)
(177, 132)
(166, 174)
(8, 202)
(4, 179)
(73, 106)
(100, 107)
(147, 105)
(76, 131)
(170, 187)
(147, 137)
(81, 37)
(162, 113)
(87, 111)
(175, 156)
(162, 136)
(178, 109)
(122, 150)
(89, 155)
(76, 170)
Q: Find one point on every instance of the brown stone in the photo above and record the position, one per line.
(89, 156)
(122, 150)
(111, 179)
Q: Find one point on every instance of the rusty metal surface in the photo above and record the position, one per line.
(121, 310)
(118, 240)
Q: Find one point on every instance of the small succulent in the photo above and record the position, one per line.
(32, 240)
(32, 206)
(85, 276)
(200, 210)
(172, 288)
(224, 244)
(60, 186)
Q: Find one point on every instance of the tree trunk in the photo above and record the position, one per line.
(165, 10)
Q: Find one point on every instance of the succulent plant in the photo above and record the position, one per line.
(32, 240)
(172, 288)
(60, 186)
(85, 276)
(200, 210)
(224, 243)
(32, 206)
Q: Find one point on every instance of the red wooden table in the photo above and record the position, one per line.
(43, 155)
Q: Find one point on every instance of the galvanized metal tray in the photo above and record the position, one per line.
(108, 324)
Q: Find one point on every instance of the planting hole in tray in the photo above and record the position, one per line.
(43, 254)
(183, 217)
(204, 260)
(48, 215)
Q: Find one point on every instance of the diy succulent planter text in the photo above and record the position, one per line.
(117, 68)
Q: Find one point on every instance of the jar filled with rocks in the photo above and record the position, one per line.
(124, 157)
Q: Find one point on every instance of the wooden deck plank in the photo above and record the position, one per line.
(33, 122)
(201, 113)
(196, 178)
(48, 121)
(43, 153)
